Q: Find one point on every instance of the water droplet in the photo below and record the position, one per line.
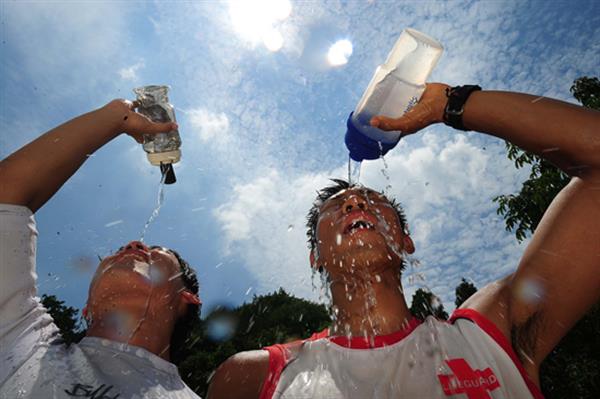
(530, 291)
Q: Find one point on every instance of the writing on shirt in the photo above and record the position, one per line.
(474, 383)
(88, 391)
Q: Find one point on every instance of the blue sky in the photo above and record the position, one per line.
(262, 118)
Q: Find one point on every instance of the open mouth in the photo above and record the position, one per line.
(358, 225)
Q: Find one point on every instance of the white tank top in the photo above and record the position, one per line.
(467, 357)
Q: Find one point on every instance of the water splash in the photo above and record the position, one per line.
(353, 171)
(385, 171)
(159, 203)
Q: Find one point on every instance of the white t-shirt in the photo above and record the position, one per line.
(33, 361)
(468, 358)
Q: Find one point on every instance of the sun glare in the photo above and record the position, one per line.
(339, 52)
(256, 21)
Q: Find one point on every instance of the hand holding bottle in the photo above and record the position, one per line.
(135, 124)
(429, 110)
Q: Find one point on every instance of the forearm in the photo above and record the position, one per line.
(565, 134)
(31, 175)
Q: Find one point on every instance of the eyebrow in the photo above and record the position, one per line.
(160, 247)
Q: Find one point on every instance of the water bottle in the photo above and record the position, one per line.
(395, 88)
(162, 149)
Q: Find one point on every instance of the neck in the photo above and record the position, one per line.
(369, 305)
(137, 327)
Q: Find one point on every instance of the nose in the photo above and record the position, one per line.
(355, 202)
(137, 245)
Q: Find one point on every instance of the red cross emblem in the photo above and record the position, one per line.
(474, 383)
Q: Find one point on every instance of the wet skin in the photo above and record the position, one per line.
(136, 296)
(124, 272)
(359, 231)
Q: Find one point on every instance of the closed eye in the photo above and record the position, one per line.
(331, 203)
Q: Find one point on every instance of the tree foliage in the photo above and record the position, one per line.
(65, 318)
(426, 303)
(587, 92)
(572, 370)
(463, 291)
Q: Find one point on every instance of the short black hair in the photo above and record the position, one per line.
(184, 326)
(329, 191)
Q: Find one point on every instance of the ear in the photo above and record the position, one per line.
(409, 245)
(313, 260)
(190, 299)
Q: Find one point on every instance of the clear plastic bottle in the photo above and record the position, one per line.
(395, 88)
(162, 149)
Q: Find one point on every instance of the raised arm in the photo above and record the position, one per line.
(558, 278)
(565, 134)
(31, 175)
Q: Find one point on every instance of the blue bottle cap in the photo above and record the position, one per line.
(362, 147)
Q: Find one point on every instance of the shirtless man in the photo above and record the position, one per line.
(141, 300)
(494, 343)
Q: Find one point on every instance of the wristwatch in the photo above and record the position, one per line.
(457, 97)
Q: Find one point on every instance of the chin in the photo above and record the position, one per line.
(370, 260)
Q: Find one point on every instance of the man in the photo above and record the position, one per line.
(141, 300)
(494, 344)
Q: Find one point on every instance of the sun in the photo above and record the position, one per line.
(256, 21)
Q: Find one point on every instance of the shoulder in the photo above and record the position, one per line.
(240, 376)
(492, 301)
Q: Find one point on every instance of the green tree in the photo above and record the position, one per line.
(463, 291)
(426, 303)
(572, 370)
(65, 318)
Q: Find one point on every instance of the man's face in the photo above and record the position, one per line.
(136, 276)
(359, 230)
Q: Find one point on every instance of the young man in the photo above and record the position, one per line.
(494, 344)
(141, 300)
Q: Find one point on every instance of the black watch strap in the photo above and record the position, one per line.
(457, 97)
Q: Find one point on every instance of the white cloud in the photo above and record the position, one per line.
(130, 72)
(211, 127)
(263, 223)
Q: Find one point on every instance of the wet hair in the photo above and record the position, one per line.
(329, 191)
(185, 324)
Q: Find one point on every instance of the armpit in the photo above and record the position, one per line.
(524, 338)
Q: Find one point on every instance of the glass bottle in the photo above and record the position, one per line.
(162, 149)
